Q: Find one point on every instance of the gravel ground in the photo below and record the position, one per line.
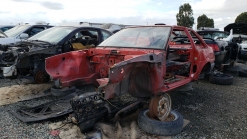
(214, 111)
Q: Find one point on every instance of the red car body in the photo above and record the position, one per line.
(136, 68)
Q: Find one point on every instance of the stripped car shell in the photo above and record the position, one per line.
(137, 70)
(145, 61)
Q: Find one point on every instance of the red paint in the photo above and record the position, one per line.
(113, 68)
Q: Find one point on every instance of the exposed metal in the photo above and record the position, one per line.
(48, 110)
(160, 107)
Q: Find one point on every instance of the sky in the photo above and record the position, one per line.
(131, 12)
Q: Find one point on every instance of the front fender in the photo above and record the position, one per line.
(139, 76)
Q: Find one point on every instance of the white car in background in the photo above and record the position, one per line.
(242, 40)
(21, 32)
(240, 37)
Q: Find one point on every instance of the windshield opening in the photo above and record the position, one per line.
(53, 35)
(15, 31)
(212, 35)
(140, 37)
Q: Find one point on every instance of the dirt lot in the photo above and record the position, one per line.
(214, 111)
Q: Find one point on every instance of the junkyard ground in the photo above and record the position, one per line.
(214, 111)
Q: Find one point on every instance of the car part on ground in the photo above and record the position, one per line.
(160, 107)
(48, 110)
(27, 58)
(90, 108)
(242, 73)
(221, 78)
(61, 92)
(172, 126)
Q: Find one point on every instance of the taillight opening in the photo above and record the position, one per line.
(215, 47)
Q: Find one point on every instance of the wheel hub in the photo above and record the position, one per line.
(41, 77)
(160, 107)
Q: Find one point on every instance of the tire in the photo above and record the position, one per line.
(157, 127)
(62, 91)
(221, 79)
(242, 73)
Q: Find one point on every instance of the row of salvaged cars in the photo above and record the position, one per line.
(143, 63)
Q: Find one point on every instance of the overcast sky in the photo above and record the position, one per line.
(134, 12)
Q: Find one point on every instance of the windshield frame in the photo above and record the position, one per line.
(3, 35)
(49, 34)
(156, 33)
(17, 30)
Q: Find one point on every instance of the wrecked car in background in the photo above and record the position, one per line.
(27, 58)
(240, 37)
(4, 28)
(225, 50)
(20, 32)
(112, 27)
(145, 62)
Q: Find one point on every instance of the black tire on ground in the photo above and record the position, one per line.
(157, 127)
(62, 91)
(221, 79)
(242, 73)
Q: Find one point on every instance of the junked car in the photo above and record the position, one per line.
(27, 58)
(240, 37)
(226, 51)
(4, 28)
(21, 32)
(145, 62)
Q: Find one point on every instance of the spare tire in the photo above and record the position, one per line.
(242, 73)
(157, 127)
(221, 79)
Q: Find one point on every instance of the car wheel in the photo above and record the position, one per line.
(62, 91)
(221, 79)
(242, 73)
(163, 128)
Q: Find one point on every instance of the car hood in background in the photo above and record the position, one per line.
(7, 40)
(3, 34)
(238, 28)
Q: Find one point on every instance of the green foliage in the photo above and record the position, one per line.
(242, 18)
(185, 16)
(204, 21)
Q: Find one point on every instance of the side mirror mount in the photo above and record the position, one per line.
(24, 36)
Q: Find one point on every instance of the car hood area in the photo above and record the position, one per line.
(95, 63)
(238, 28)
(10, 54)
(7, 40)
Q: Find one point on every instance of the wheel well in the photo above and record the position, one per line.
(206, 68)
(140, 83)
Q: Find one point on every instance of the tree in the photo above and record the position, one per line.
(204, 21)
(185, 16)
(242, 18)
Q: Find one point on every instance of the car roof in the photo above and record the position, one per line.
(212, 31)
(6, 25)
(85, 27)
